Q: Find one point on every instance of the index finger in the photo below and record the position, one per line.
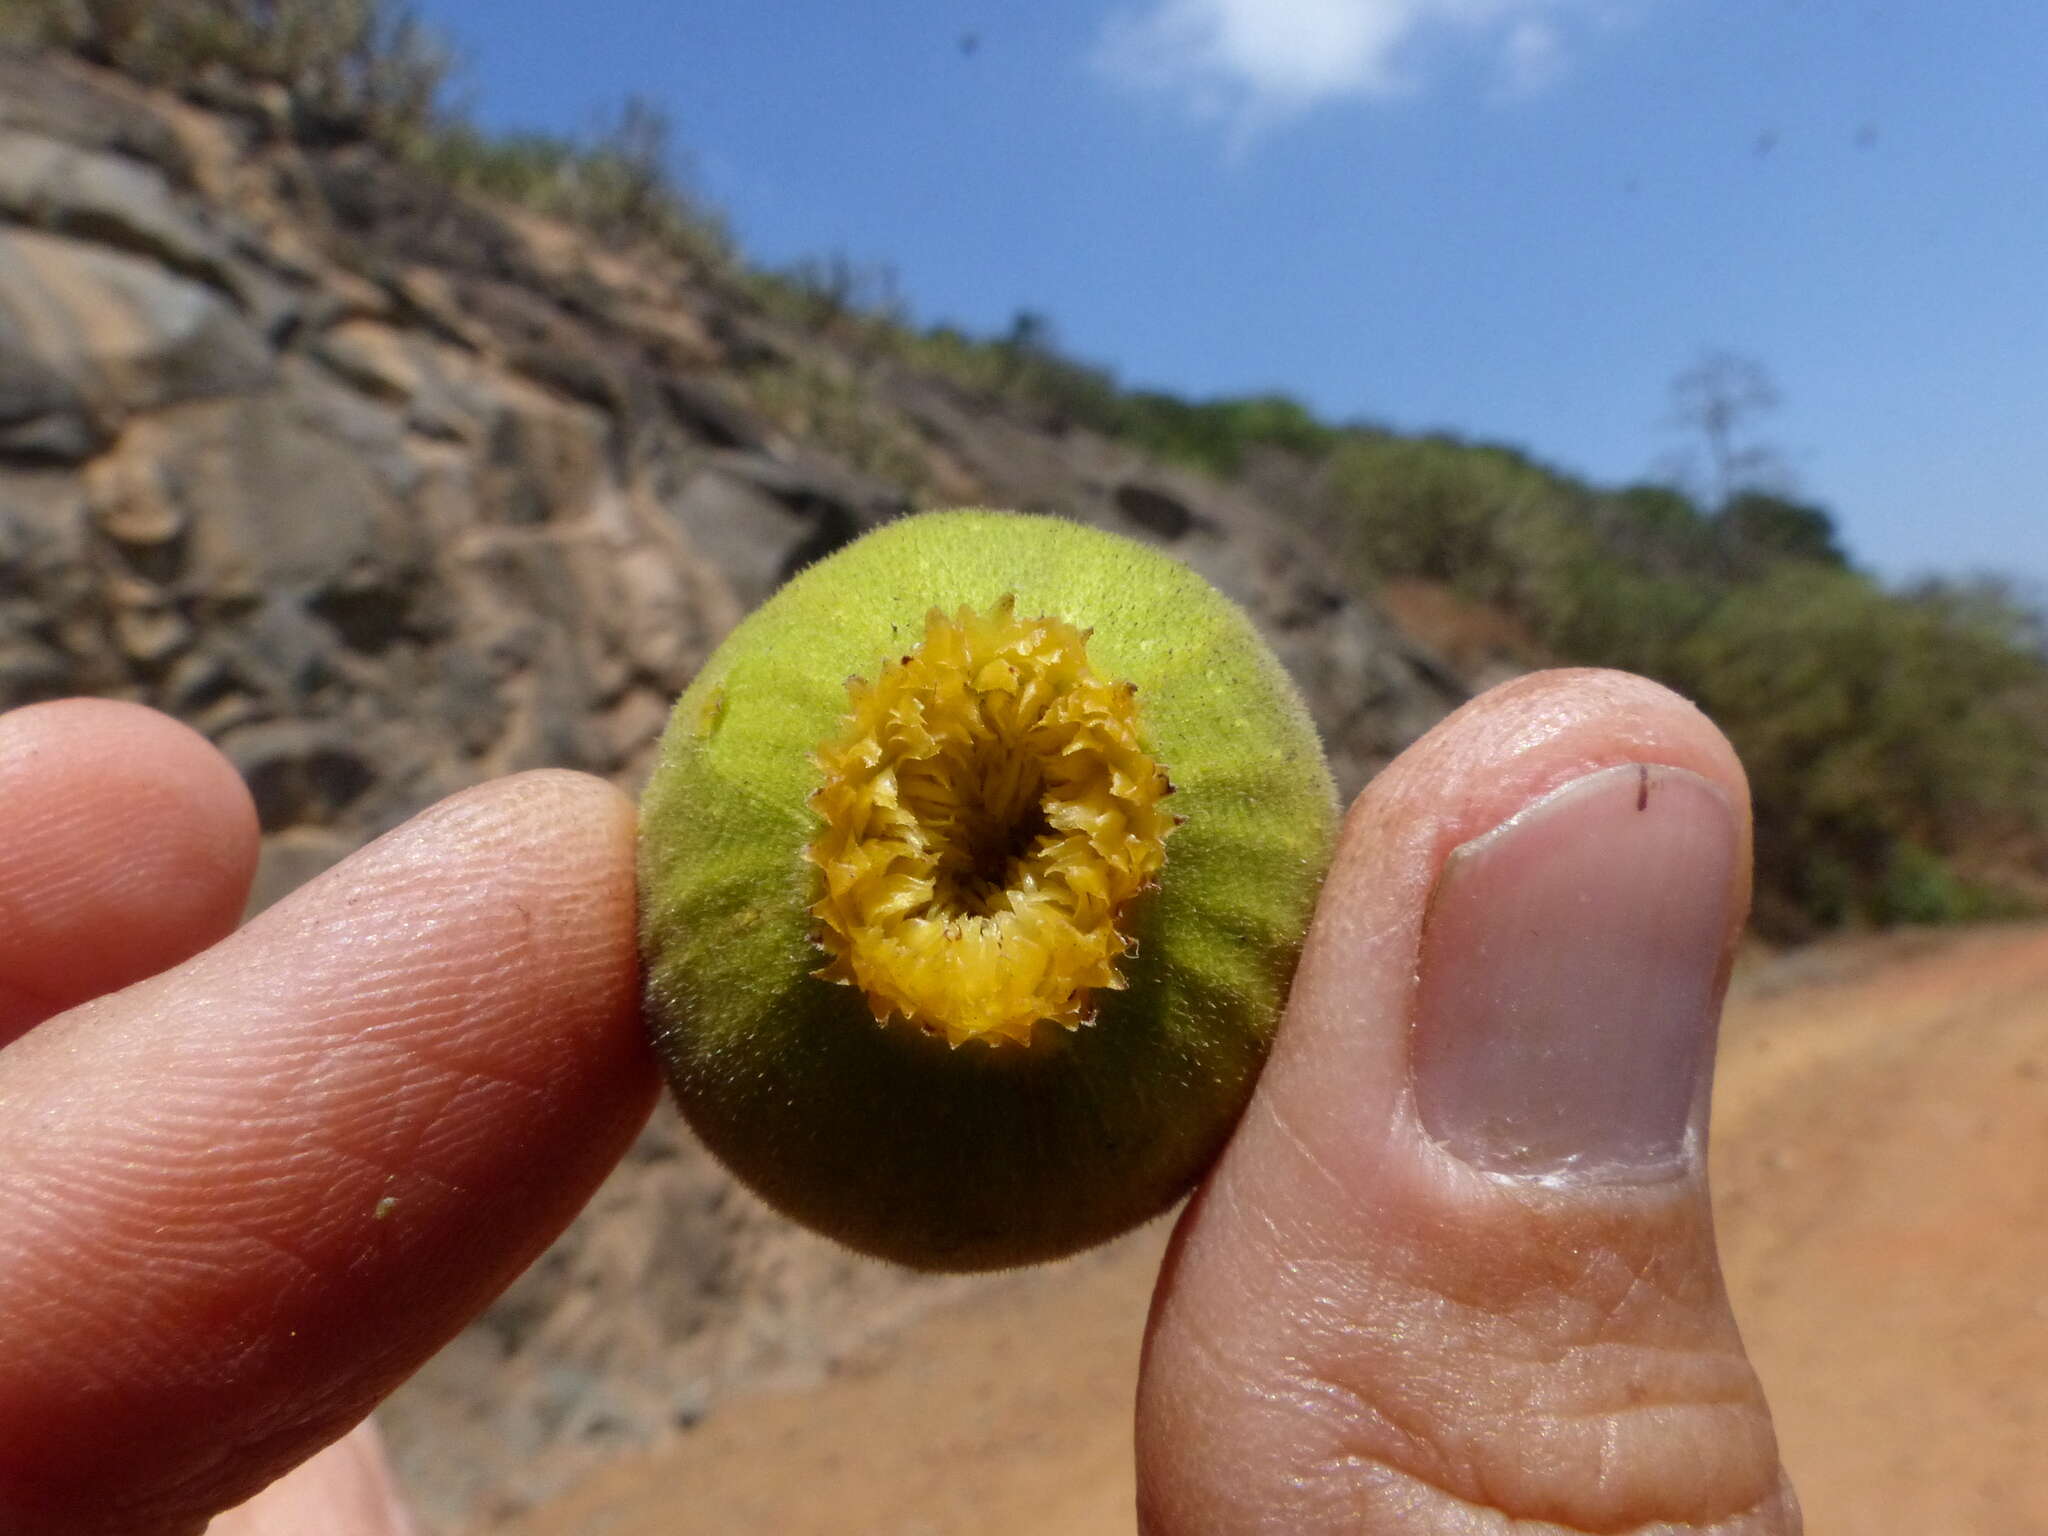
(243, 1200)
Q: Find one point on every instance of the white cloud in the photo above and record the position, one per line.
(1263, 59)
(1532, 56)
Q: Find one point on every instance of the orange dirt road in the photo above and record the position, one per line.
(1881, 1172)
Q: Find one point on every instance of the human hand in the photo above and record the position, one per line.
(1455, 1273)
(1370, 1319)
(245, 1197)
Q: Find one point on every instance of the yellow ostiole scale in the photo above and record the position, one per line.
(988, 817)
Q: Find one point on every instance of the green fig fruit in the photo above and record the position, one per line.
(973, 872)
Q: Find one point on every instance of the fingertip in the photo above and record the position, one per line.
(1486, 763)
(146, 748)
(130, 845)
(503, 920)
(1513, 744)
(518, 890)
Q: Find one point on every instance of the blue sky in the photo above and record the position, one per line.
(1513, 219)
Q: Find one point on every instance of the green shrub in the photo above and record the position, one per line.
(1893, 740)
(855, 302)
(619, 184)
(366, 64)
(1215, 435)
(1923, 887)
(1757, 530)
(1483, 519)
(1884, 735)
(1025, 367)
(829, 408)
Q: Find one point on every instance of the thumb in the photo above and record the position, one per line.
(1456, 1271)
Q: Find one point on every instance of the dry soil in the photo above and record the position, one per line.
(1881, 1173)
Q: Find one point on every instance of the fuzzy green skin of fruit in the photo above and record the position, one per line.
(980, 1156)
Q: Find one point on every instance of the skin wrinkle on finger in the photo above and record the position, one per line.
(1461, 1344)
(1491, 1337)
(351, 1009)
(461, 998)
(1397, 1501)
(185, 1126)
(375, 1139)
(239, 1233)
(247, 1205)
(1440, 1351)
(1411, 1456)
(1313, 1165)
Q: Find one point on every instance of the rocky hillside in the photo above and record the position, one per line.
(390, 491)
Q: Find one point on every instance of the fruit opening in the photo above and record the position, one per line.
(989, 816)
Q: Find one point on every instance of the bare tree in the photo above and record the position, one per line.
(1717, 403)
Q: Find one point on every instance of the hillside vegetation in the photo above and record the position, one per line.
(1897, 740)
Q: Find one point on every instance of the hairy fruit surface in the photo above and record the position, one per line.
(973, 872)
